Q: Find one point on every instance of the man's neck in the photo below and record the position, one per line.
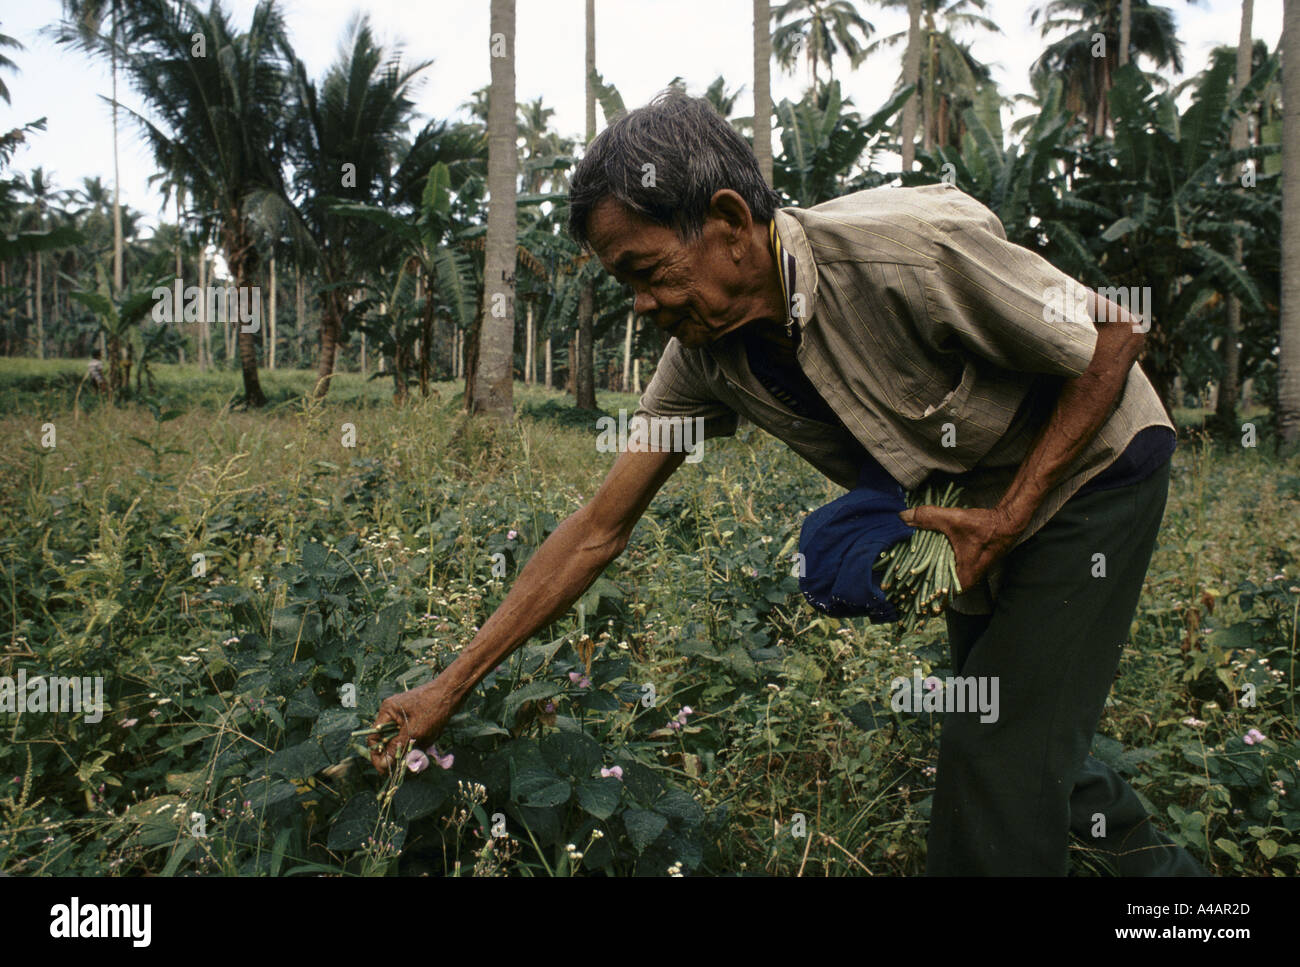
(771, 325)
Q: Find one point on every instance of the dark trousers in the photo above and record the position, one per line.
(1009, 792)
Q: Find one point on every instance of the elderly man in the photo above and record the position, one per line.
(897, 326)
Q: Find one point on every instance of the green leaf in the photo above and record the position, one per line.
(1229, 847)
(1268, 847)
(355, 822)
(643, 827)
(540, 789)
(335, 720)
(679, 804)
(600, 797)
(183, 849)
(534, 691)
(571, 753)
(298, 761)
(642, 782)
(422, 795)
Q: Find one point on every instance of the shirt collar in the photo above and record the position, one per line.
(796, 267)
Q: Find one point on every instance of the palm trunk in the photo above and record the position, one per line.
(571, 374)
(40, 311)
(1226, 412)
(928, 137)
(270, 334)
(299, 310)
(528, 344)
(627, 353)
(493, 388)
(426, 333)
(239, 254)
(118, 279)
(581, 363)
(911, 74)
(401, 364)
(585, 387)
(1288, 379)
(205, 342)
(548, 362)
(763, 88)
(331, 317)
(180, 272)
(1125, 29)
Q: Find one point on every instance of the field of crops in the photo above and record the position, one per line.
(249, 587)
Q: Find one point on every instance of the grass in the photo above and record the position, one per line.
(98, 536)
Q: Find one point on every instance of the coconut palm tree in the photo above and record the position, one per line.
(346, 140)
(1088, 65)
(82, 26)
(44, 202)
(218, 95)
(947, 74)
(491, 386)
(819, 29)
(7, 43)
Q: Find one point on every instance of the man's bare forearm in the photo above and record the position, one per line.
(567, 563)
(1083, 406)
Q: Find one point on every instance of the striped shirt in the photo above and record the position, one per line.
(940, 347)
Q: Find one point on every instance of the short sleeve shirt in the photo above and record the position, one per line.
(939, 345)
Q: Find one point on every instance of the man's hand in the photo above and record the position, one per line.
(420, 714)
(979, 536)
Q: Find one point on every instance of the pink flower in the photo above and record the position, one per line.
(1253, 736)
(511, 535)
(615, 771)
(444, 761)
(579, 679)
(417, 761)
(127, 723)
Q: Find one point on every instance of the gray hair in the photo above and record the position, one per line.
(695, 153)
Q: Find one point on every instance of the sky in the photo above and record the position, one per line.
(641, 45)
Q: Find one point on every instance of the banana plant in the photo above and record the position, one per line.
(822, 143)
(1167, 183)
(118, 319)
(437, 251)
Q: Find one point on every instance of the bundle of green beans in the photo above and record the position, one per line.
(919, 574)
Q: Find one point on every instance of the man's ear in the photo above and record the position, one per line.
(728, 207)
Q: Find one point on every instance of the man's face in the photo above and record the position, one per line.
(695, 290)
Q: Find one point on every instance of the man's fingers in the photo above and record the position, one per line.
(926, 516)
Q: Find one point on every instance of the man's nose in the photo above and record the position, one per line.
(644, 304)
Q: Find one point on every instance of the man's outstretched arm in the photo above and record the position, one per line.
(562, 569)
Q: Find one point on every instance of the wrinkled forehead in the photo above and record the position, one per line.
(621, 237)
